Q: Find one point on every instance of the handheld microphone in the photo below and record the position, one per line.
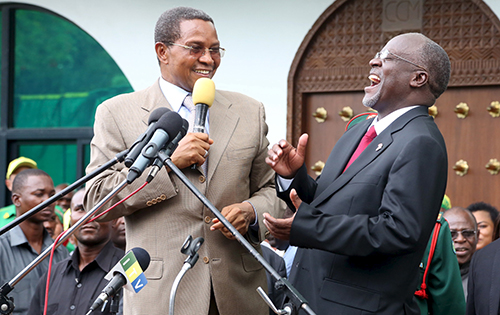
(167, 127)
(146, 136)
(129, 272)
(203, 98)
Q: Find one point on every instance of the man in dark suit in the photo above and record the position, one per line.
(362, 227)
(484, 281)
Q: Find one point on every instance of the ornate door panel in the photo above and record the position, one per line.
(473, 140)
(331, 67)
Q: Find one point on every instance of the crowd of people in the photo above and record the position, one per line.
(79, 264)
(374, 233)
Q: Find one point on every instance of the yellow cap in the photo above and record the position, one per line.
(204, 91)
(17, 163)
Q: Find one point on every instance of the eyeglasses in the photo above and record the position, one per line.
(384, 53)
(198, 51)
(468, 234)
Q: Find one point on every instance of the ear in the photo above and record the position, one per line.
(161, 52)
(16, 199)
(420, 78)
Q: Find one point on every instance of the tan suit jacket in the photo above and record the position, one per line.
(165, 212)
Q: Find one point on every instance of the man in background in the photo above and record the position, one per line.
(463, 229)
(77, 281)
(8, 213)
(24, 243)
(118, 235)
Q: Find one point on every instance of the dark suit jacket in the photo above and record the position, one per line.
(278, 264)
(484, 281)
(362, 233)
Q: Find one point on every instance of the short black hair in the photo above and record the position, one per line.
(167, 29)
(22, 177)
(483, 206)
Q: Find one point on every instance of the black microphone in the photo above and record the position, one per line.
(203, 97)
(173, 144)
(120, 278)
(167, 127)
(158, 163)
(146, 136)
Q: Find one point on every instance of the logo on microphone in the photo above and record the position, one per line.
(130, 268)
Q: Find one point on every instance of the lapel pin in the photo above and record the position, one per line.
(380, 145)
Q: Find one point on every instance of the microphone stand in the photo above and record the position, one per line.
(297, 300)
(118, 158)
(189, 248)
(6, 305)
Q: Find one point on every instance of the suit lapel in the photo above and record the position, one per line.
(342, 151)
(373, 151)
(153, 99)
(223, 122)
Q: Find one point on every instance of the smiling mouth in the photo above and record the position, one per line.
(374, 79)
(202, 72)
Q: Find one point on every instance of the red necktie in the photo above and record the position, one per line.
(365, 141)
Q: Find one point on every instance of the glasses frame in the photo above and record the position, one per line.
(384, 53)
(461, 233)
(191, 52)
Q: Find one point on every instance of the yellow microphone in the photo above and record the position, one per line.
(203, 98)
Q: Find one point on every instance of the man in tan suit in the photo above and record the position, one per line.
(165, 212)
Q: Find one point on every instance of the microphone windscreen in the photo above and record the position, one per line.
(142, 257)
(185, 127)
(156, 114)
(171, 123)
(204, 91)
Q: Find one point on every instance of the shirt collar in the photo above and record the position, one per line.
(17, 237)
(103, 259)
(382, 124)
(175, 95)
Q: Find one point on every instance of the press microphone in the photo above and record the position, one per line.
(129, 272)
(167, 127)
(146, 136)
(203, 97)
(158, 163)
(173, 144)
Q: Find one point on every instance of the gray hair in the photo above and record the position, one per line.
(438, 64)
(167, 29)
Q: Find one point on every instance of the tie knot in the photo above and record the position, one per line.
(188, 102)
(371, 133)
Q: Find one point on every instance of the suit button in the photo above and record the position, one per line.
(158, 200)
(208, 220)
(149, 203)
(202, 179)
(163, 197)
(206, 260)
(153, 201)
